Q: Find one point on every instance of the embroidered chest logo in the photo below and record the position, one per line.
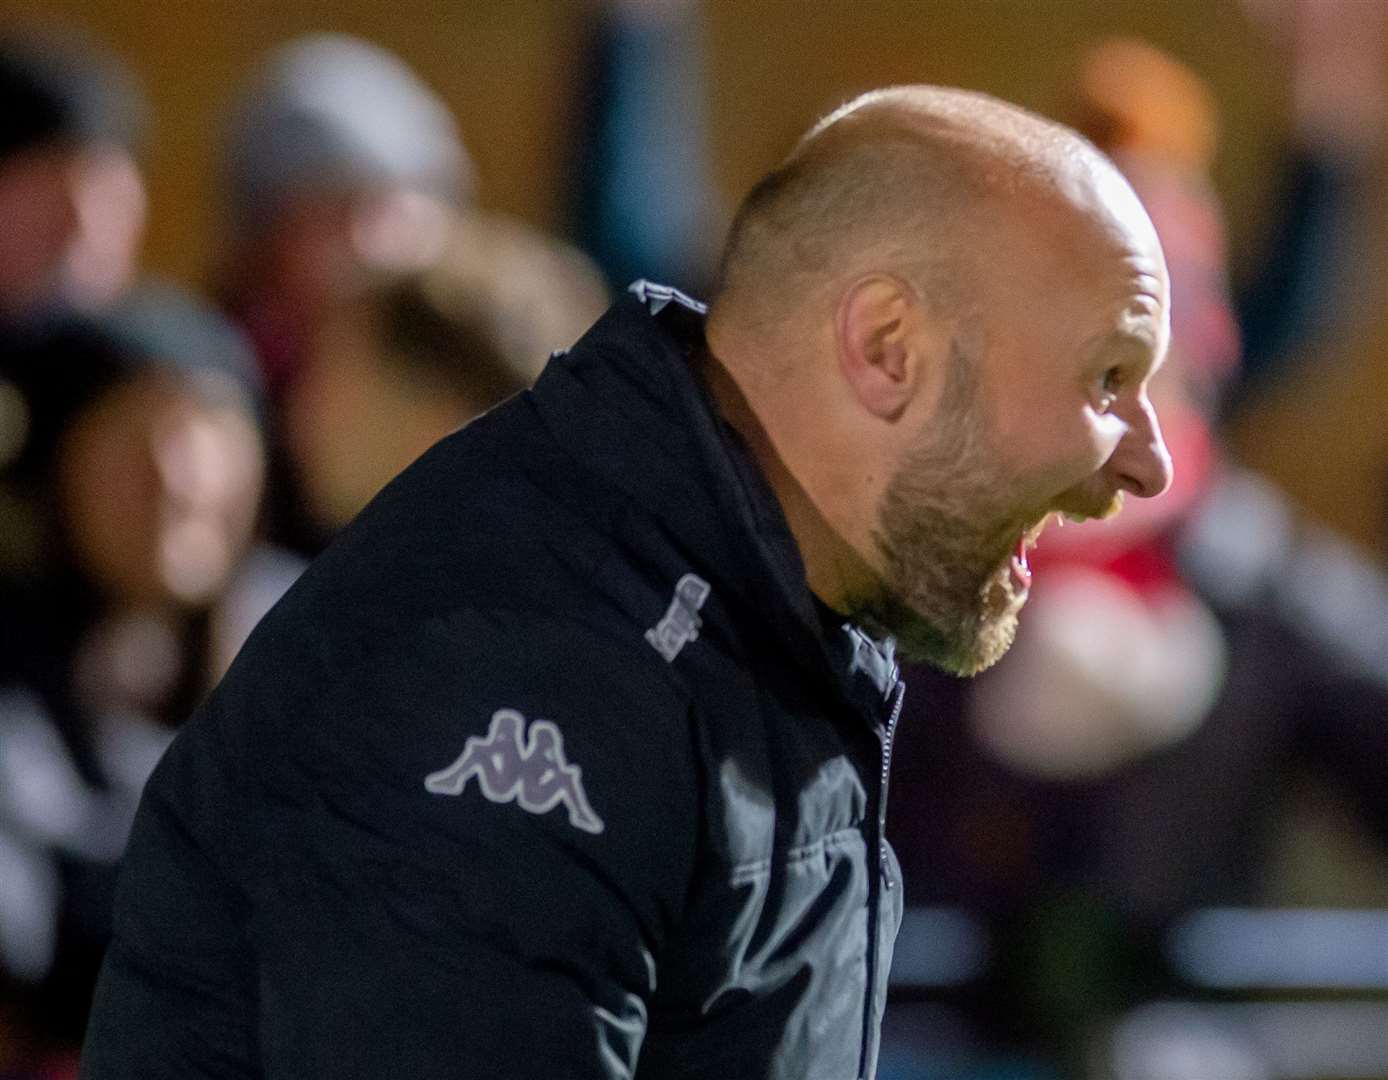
(529, 768)
(680, 623)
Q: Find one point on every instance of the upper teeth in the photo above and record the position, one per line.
(1033, 535)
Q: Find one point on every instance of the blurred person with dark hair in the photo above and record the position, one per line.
(72, 198)
(1131, 759)
(419, 355)
(144, 461)
(72, 215)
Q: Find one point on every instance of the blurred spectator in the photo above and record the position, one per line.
(338, 167)
(418, 356)
(338, 163)
(644, 204)
(71, 194)
(1068, 818)
(1317, 279)
(144, 460)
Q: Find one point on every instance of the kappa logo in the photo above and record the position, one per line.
(680, 623)
(531, 770)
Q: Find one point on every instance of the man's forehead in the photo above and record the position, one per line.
(1098, 233)
(1107, 195)
(1075, 281)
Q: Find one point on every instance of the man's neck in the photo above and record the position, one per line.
(835, 573)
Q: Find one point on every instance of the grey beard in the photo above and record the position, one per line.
(955, 634)
(943, 536)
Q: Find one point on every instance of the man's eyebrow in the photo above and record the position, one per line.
(1124, 339)
(1129, 336)
(1140, 317)
(1146, 341)
(1136, 345)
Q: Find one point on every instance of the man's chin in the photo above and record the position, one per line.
(969, 650)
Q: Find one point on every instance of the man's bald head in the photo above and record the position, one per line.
(919, 181)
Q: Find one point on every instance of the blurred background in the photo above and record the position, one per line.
(255, 257)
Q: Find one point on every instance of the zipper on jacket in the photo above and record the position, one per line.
(899, 688)
(877, 872)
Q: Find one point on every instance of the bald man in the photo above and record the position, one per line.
(569, 758)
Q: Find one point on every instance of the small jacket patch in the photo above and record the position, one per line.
(680, 623)
(511, 765)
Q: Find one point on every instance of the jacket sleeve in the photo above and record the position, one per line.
(464, 863)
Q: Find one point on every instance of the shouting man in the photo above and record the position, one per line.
(569, 758)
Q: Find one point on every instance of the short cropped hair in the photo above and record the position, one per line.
(871, 204)
(904, 180)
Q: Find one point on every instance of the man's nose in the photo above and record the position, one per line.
(1142, 464)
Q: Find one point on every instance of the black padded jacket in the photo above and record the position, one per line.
(550, 766)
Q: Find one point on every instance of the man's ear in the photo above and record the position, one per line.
(878, 330)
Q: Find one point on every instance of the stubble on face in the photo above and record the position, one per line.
(945, 535)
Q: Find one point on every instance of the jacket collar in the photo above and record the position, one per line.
(627, 401)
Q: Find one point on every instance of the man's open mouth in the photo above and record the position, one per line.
(1021, 569)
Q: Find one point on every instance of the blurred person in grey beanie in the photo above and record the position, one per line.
(72, 198)
(339, 167)
(337, 162)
